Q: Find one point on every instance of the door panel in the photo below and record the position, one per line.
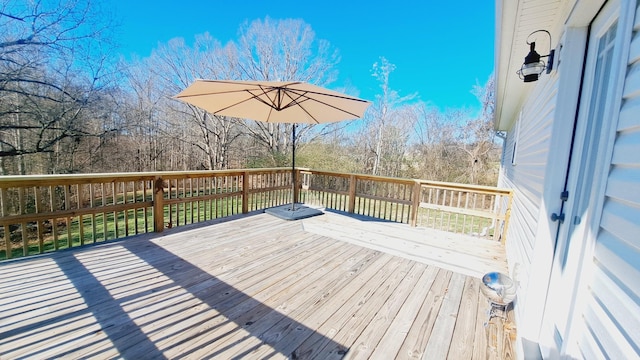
(584, 175)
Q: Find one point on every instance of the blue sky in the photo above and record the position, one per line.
(441, 49)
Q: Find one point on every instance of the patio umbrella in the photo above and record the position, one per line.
(293, 102)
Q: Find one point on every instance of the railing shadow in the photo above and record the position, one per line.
(360, 217)
(189, 329)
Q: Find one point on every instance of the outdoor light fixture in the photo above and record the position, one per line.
(533, 66)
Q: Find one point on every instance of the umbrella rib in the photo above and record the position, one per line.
(232, 105)
(273, 103)
(303, 94)
(299, 103)
(210, 93)
(253, 97)
(326, 94)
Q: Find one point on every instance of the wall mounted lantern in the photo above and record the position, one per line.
(533, 66)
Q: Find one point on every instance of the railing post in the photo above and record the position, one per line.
(245, 192)
(158, 205)
(507, 215)
(7, 232)
(415, 203)
(352, 193)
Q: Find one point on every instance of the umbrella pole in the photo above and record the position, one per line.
(293, 168)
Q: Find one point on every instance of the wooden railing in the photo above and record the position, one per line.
(459, 208)
(51, 212)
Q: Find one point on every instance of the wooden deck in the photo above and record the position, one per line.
(257, 287)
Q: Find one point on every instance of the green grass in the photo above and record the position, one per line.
(108, 226)
(453, 222)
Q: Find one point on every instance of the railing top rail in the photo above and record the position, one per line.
(439, 184)
(359, 176)
(63, 179)
(457, 186)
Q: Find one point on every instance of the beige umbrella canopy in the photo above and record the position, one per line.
(293, 102)
(273, 101)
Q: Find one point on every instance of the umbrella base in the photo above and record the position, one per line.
(301, 212)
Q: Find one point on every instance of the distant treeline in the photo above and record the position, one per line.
(67, 105)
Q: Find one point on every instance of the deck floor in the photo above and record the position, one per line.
(254, 287)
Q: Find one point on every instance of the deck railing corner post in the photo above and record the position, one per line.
(352, 193)
(415, 203)
(158, 204)
(245, 192)
(507, 215)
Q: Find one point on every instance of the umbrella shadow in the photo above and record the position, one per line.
(136, 299)
(240, 316)
(230, 317)
(359, 217)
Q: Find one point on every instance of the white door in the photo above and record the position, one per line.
(596, 114)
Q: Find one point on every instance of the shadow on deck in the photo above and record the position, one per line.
(254, 286)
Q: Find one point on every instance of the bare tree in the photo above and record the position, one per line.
(478, 139)
(52, 66)
(388, 127)
(436, 155)
(168, 133)
(267, 50)
(284, 50)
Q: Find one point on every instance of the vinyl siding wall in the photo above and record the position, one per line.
(526, 178)
(610, 322)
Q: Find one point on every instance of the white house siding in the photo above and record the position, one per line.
(611, 318)
(526, 178)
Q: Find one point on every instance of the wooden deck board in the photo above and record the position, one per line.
(442, 334)
(379, 303)
(268, 277)
(460, 253)
(466, 321)
(254, 287)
